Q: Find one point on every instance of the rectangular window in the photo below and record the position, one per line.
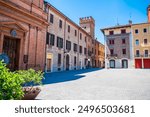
(60, 23)
(137, 42)
(123, 41)
(111, 32)
(137, 53)
(80, 36)
(145, 41)
(123, 51)
(51, 18)
(47, 37)
(111, 42)
(85, 38)
(123, 31)
(59, 59)
(145, 30)
(69, 28)
(50, 39)
(136, 31)
(68, 45)
(112, 51)
(146, 53)
(59, 42)
(75, 61)
(75, 32)
(75, 47)
(80, 49)
(85, 51)
(92, 50)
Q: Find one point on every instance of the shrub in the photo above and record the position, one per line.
(31, 77)
(10, 84)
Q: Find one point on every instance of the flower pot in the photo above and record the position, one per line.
(30, 93)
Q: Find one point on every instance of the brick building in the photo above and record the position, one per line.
(22, 33)
(69, 46)
(34, 34)
(99, 54)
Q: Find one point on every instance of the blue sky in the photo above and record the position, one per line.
(105, 12)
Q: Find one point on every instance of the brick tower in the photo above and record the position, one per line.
(148, 13)
(88, 24)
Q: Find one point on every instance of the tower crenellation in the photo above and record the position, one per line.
(88, 24)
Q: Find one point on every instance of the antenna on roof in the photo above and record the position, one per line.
(130, 16)
(117, 22)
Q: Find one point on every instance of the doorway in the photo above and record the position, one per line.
(124, 63)
(11, 47)
(67, 62)
(49, 62)
(112, 63)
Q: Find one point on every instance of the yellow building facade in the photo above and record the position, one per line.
(141, 44)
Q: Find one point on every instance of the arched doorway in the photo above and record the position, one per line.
(112, 63)
(124, 63)
(67, 62)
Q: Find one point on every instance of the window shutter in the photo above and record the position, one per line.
(47, 38)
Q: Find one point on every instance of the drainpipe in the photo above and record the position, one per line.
(105, 43)
(78, 50)
(45, 66)
(64, 45)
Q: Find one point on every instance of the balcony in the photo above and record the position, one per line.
(142, 56)
(112, 55)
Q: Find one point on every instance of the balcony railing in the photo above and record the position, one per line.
(139, 56)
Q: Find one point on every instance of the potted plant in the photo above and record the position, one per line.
(31, 79)
(19, 84)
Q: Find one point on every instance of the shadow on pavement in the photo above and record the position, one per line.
(57, 77)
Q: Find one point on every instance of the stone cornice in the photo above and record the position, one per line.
(30, 18)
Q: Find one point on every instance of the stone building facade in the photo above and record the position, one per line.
(23, 33)
(118, 47)
(69, 46)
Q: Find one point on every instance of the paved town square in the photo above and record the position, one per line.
(97, 84)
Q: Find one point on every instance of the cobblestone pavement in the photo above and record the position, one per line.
(97, 84)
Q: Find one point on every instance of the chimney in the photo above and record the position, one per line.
(148, 13)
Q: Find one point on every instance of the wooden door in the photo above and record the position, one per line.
(11, 47)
